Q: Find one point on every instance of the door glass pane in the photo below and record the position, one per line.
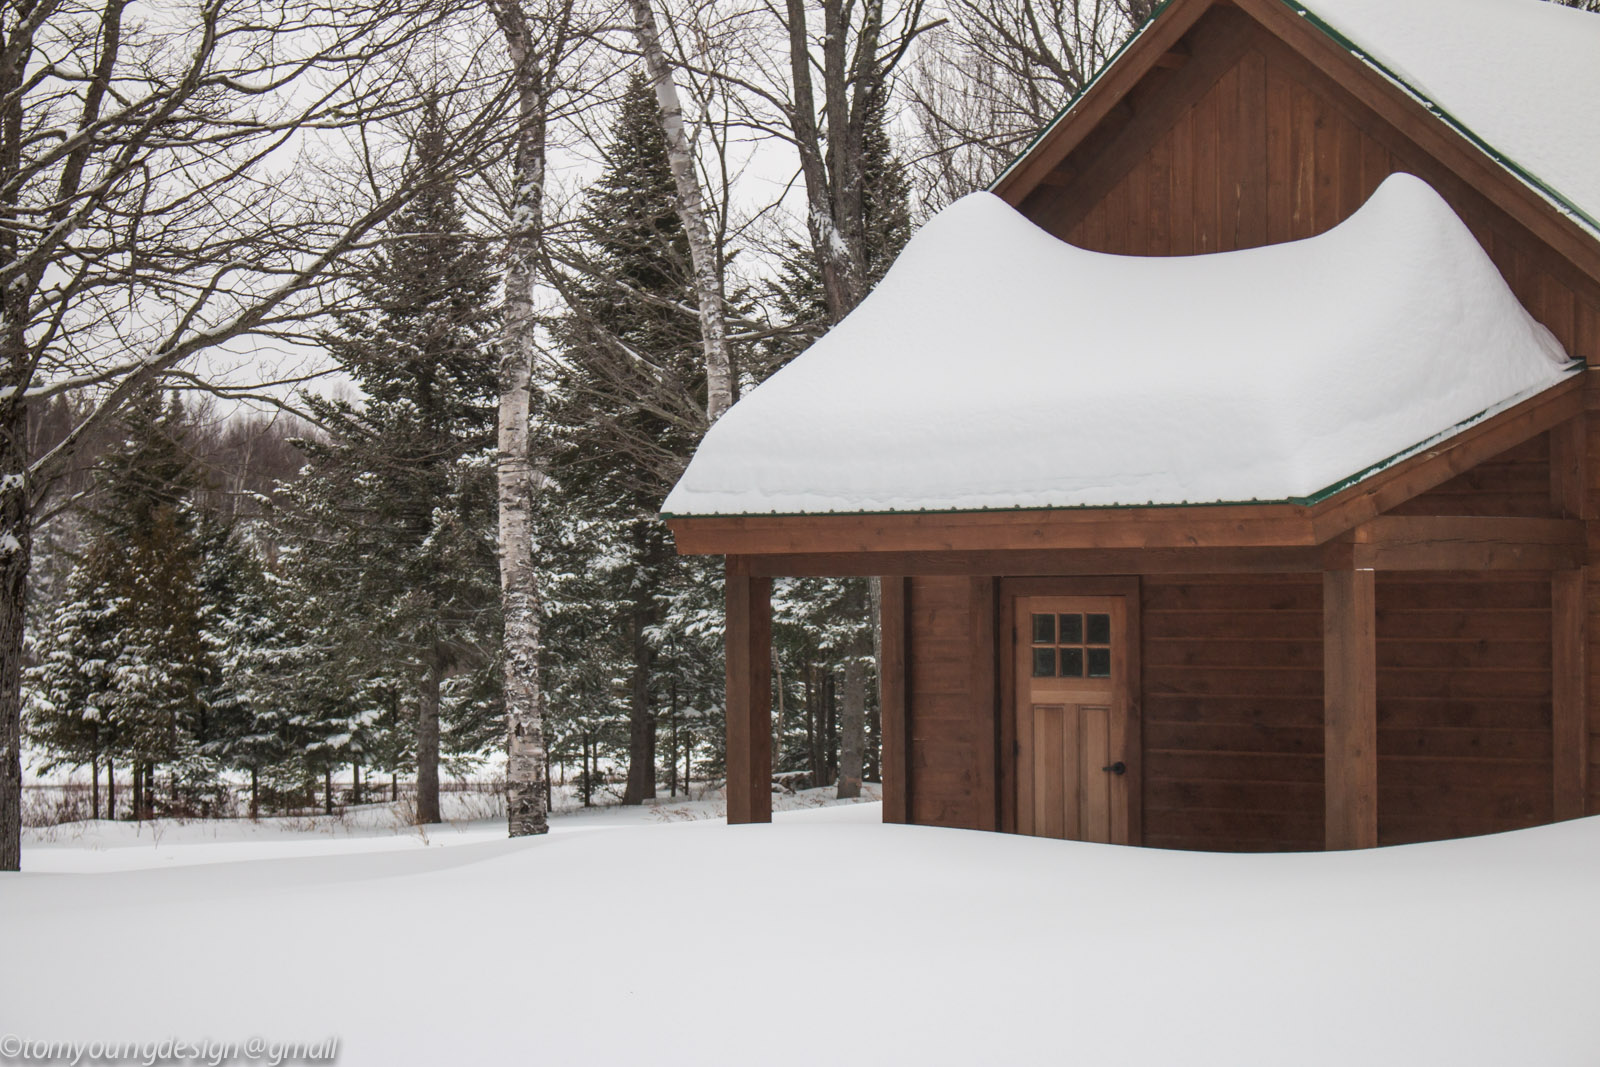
(1099, 662)
(1044, 661)
(1072, 629)
(1099, 629)
(1044, 632)
(1072, 663)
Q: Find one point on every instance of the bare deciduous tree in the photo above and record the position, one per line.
(997, 73)
(167, 184)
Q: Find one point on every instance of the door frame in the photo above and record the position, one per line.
(1005, 652)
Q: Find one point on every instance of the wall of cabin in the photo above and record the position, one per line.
(1464, 704)
(1231, 687)
(1232, 694)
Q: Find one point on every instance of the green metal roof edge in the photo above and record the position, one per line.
(1317, 497)
(1044, 132)
(1550, 193)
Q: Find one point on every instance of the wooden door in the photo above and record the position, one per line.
(1072, 751)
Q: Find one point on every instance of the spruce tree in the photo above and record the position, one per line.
(627, 409)
(398, 504)
(124, 667)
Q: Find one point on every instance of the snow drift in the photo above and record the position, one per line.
(997, 367)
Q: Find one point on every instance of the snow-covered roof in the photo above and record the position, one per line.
(1519, 77)
(997, 367)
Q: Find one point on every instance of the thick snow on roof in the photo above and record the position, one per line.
(997, 367)
(1522, 76)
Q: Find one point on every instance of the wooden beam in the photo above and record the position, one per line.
(946, 531)
(1066, 562)
(894, 758)
(1569, 448)
(1467, 543)
(1208, 526)
(1569, 692)
(1350, 709)
(749, 698)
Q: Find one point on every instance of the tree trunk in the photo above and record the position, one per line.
(394, 787)
(691, 211)
(94, 786)
(255, 794)
(830, 712)
(138, 791)
(16, 544)
(852, 728)
(111, 789)
(355, 789)
(327, 790)
(641, 737)
(519, 586)
(428, 743)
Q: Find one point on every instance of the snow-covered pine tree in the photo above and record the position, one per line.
(628, 403)
(124, 667)
(403, 490)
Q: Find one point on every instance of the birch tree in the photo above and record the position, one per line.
(691, 210)
(540, 38)
(169, 182)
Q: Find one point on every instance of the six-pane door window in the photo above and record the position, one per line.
(1072, 645)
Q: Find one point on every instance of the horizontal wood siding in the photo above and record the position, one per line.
(945, 723)
(1513, 483)
(1464, 691)
(1261, 148)
(1232, 680)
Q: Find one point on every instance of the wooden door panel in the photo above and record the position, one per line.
(1069, 723)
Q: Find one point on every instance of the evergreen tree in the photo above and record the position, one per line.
(123, 670)
(396, 512)
(626, 410)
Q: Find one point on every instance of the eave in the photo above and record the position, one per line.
(892, 543)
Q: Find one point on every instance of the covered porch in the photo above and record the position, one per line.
(1347, 546)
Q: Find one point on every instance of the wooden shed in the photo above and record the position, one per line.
(1227, 492)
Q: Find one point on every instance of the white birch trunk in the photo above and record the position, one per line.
(525, 746)
(691, 210)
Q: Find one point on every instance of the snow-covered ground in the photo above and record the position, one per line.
(825, 937)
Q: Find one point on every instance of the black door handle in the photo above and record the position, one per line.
(1117, 768)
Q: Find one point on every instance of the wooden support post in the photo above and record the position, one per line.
(1350, 709)
(895, 733)
(749, 701)
(1569, 727)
